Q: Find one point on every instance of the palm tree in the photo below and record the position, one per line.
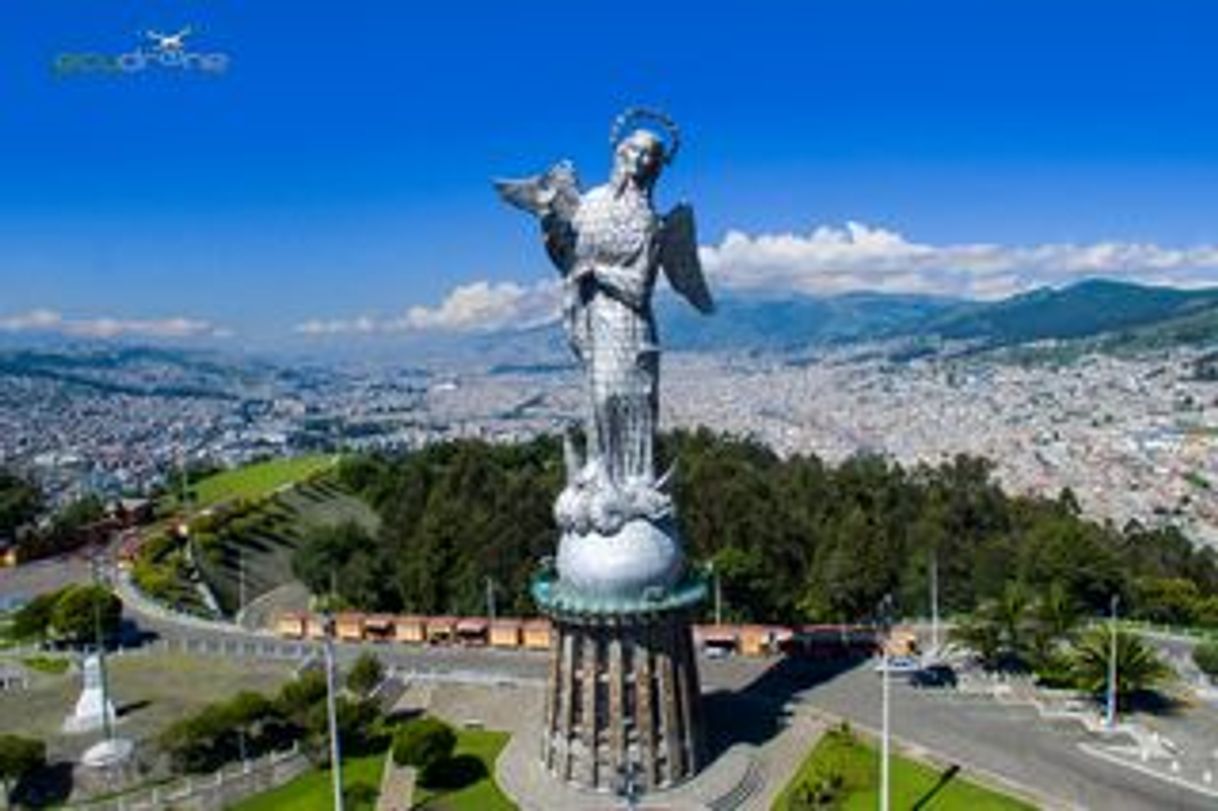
(1012, 613)
(999, 631)
(1055, 617)
(981, 636)
(1138, 667)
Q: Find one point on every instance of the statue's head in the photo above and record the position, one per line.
(639, 156)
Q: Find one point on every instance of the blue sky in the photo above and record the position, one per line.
(338, 170)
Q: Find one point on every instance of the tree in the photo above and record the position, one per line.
(1168, 600)
(20, 503)
(248, 712)
(423, 742)
(793, 539)
(324, 552)
(1205, 655)
(75, 614)
(366, 674)
(1138, 667)
(84, 510)
(19, 757)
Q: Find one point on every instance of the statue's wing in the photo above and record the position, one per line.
(525, 193)
(679, 258)
(564, 183)
(554, 192)
(553, 197)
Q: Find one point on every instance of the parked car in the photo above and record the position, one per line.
(898, 665)
(937, 675)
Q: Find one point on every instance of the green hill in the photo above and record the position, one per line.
(1083, 310)
(250, 482)
(1194, 328)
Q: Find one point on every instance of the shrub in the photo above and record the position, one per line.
(55, 666)
(220, 732)
(297, 697)
(359, 796)
(423, 743)
(18, 758)
(359, 724)
(819, 793)
(365, 674)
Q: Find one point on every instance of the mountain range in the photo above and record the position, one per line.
(1102, 314)
(1117, 311)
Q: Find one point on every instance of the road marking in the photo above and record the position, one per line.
(1096, 751)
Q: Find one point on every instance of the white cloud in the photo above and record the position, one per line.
(830, 260)
(31, 321)
(477, 307)
(42, 320)
(825, 261)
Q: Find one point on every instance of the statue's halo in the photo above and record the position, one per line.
(640, 114)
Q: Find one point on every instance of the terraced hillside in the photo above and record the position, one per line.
(263, 540)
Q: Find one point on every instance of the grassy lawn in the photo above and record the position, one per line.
(54, 665)
(914, 784)
(482, 795)
(312, 791)
(256, 480)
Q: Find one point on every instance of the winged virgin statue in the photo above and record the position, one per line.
(609, 244)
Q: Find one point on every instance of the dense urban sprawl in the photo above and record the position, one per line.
(1135, 438)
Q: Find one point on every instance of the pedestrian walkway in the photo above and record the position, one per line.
(782, 755)
(397, 786)
(742, 778)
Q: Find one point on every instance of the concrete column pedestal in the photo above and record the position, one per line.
(623, 699)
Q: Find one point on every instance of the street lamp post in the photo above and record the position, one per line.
(934, 603)
(1112, 666)
(885, 625)
(336, 762)
(241, 580)
(718, 595)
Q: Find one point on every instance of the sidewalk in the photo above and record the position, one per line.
(397, 786)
